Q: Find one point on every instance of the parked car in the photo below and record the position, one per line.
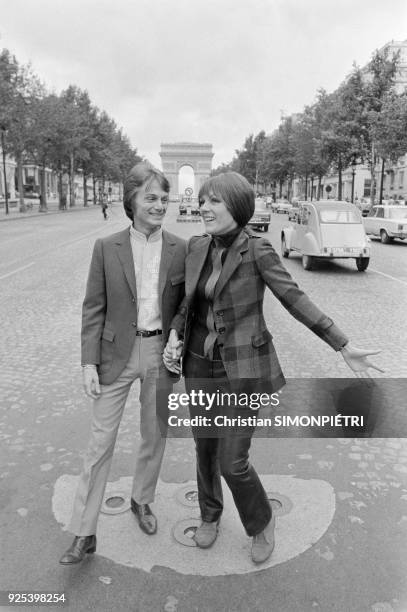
(387, 222)
(261, 218)
(327, 229)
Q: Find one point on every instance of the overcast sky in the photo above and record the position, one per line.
(198, 70)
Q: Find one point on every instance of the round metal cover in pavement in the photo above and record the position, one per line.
(281, 504)
(188, 496)
(184, 531)
(115, 502)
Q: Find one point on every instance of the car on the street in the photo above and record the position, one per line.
(283, 206)
(364, 206)
(261, 217)
(327, 229)
(387, 222)
(189, 206)
(293, 212)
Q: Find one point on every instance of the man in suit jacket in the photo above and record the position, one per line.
(135, 284)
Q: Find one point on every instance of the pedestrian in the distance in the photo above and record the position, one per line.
(221, 321)
(104, 206)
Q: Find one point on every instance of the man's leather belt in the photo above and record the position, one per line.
(147, 333)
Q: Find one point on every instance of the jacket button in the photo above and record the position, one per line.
(220, 313)
(133, 300)
(134, 324)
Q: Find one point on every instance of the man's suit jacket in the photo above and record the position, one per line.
(244, 341)
(109, 312)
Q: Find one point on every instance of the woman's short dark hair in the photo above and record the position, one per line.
(141, 175)
(235, 191)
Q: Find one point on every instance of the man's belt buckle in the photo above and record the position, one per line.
(146, 333)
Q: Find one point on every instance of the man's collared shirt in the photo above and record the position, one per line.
(147, 257)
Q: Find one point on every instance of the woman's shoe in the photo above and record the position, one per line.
(206, 534)
(263, 543)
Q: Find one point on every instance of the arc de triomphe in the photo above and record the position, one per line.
(196, 155)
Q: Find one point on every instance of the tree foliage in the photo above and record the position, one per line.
(65, 131)
(362, 119)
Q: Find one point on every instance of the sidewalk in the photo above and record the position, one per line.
(52, 205)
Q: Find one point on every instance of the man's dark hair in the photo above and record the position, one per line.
(141, 175)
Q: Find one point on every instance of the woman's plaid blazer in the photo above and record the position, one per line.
(244, 341)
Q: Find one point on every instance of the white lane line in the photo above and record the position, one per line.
(398, 280)
(45, 252)
(18, 270)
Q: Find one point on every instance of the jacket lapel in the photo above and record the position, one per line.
(233, 260)
(194, 264)
(167, 255)
(125, 255)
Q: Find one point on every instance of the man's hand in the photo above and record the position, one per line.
(90, 381)
(172, 353)
(357, 360)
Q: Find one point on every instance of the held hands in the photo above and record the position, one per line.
(172, 353)
(90, 381)
(357, 360)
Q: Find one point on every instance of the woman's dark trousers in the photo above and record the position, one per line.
(225, 454)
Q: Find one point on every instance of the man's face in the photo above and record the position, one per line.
(149, 208)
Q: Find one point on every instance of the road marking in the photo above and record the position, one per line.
(18, 270)
(309, 517)
(45, 252)
(398, 280)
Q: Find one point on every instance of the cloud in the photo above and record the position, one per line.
(204, 70)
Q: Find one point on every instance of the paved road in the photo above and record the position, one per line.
(341, 533)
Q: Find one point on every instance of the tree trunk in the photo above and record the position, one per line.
(61, 195)
(85, 190)
(43, 191)
(306, 187)
(312, 187)
(22, 206)
(94, 189)
(71, 181)
(340, 177)
(372, 177)
(319, 187)
(381, 182)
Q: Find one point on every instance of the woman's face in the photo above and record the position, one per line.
(215, 215)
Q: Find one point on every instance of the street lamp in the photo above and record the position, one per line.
(3, 131)
(354, 164)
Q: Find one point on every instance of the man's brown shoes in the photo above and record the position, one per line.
(81, 546)
(145, 518)
(263, 543)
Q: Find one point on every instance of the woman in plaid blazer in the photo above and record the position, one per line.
(221, 330)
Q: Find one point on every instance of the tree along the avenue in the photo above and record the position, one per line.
(354, 124)
(64, 132)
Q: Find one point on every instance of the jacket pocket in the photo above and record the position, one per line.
(108, 334)
(178, 279)
(263, 338)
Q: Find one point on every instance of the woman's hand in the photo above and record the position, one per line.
(357, 359)
(172, 353)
